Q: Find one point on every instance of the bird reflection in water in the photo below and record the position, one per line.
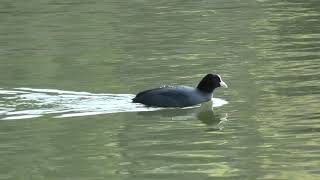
(206, 113)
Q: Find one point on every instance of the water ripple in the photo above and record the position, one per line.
(24, 103)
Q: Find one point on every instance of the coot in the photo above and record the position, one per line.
(181, 96)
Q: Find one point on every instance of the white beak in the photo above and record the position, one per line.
(223, 84)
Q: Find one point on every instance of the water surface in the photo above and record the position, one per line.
(68, 70)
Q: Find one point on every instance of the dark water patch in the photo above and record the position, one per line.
(298, 91)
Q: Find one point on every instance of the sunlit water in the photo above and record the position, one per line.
(23, 103)
(80, 63)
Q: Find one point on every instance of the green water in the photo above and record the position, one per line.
(267, 51)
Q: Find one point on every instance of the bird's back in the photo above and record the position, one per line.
(180, 96)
